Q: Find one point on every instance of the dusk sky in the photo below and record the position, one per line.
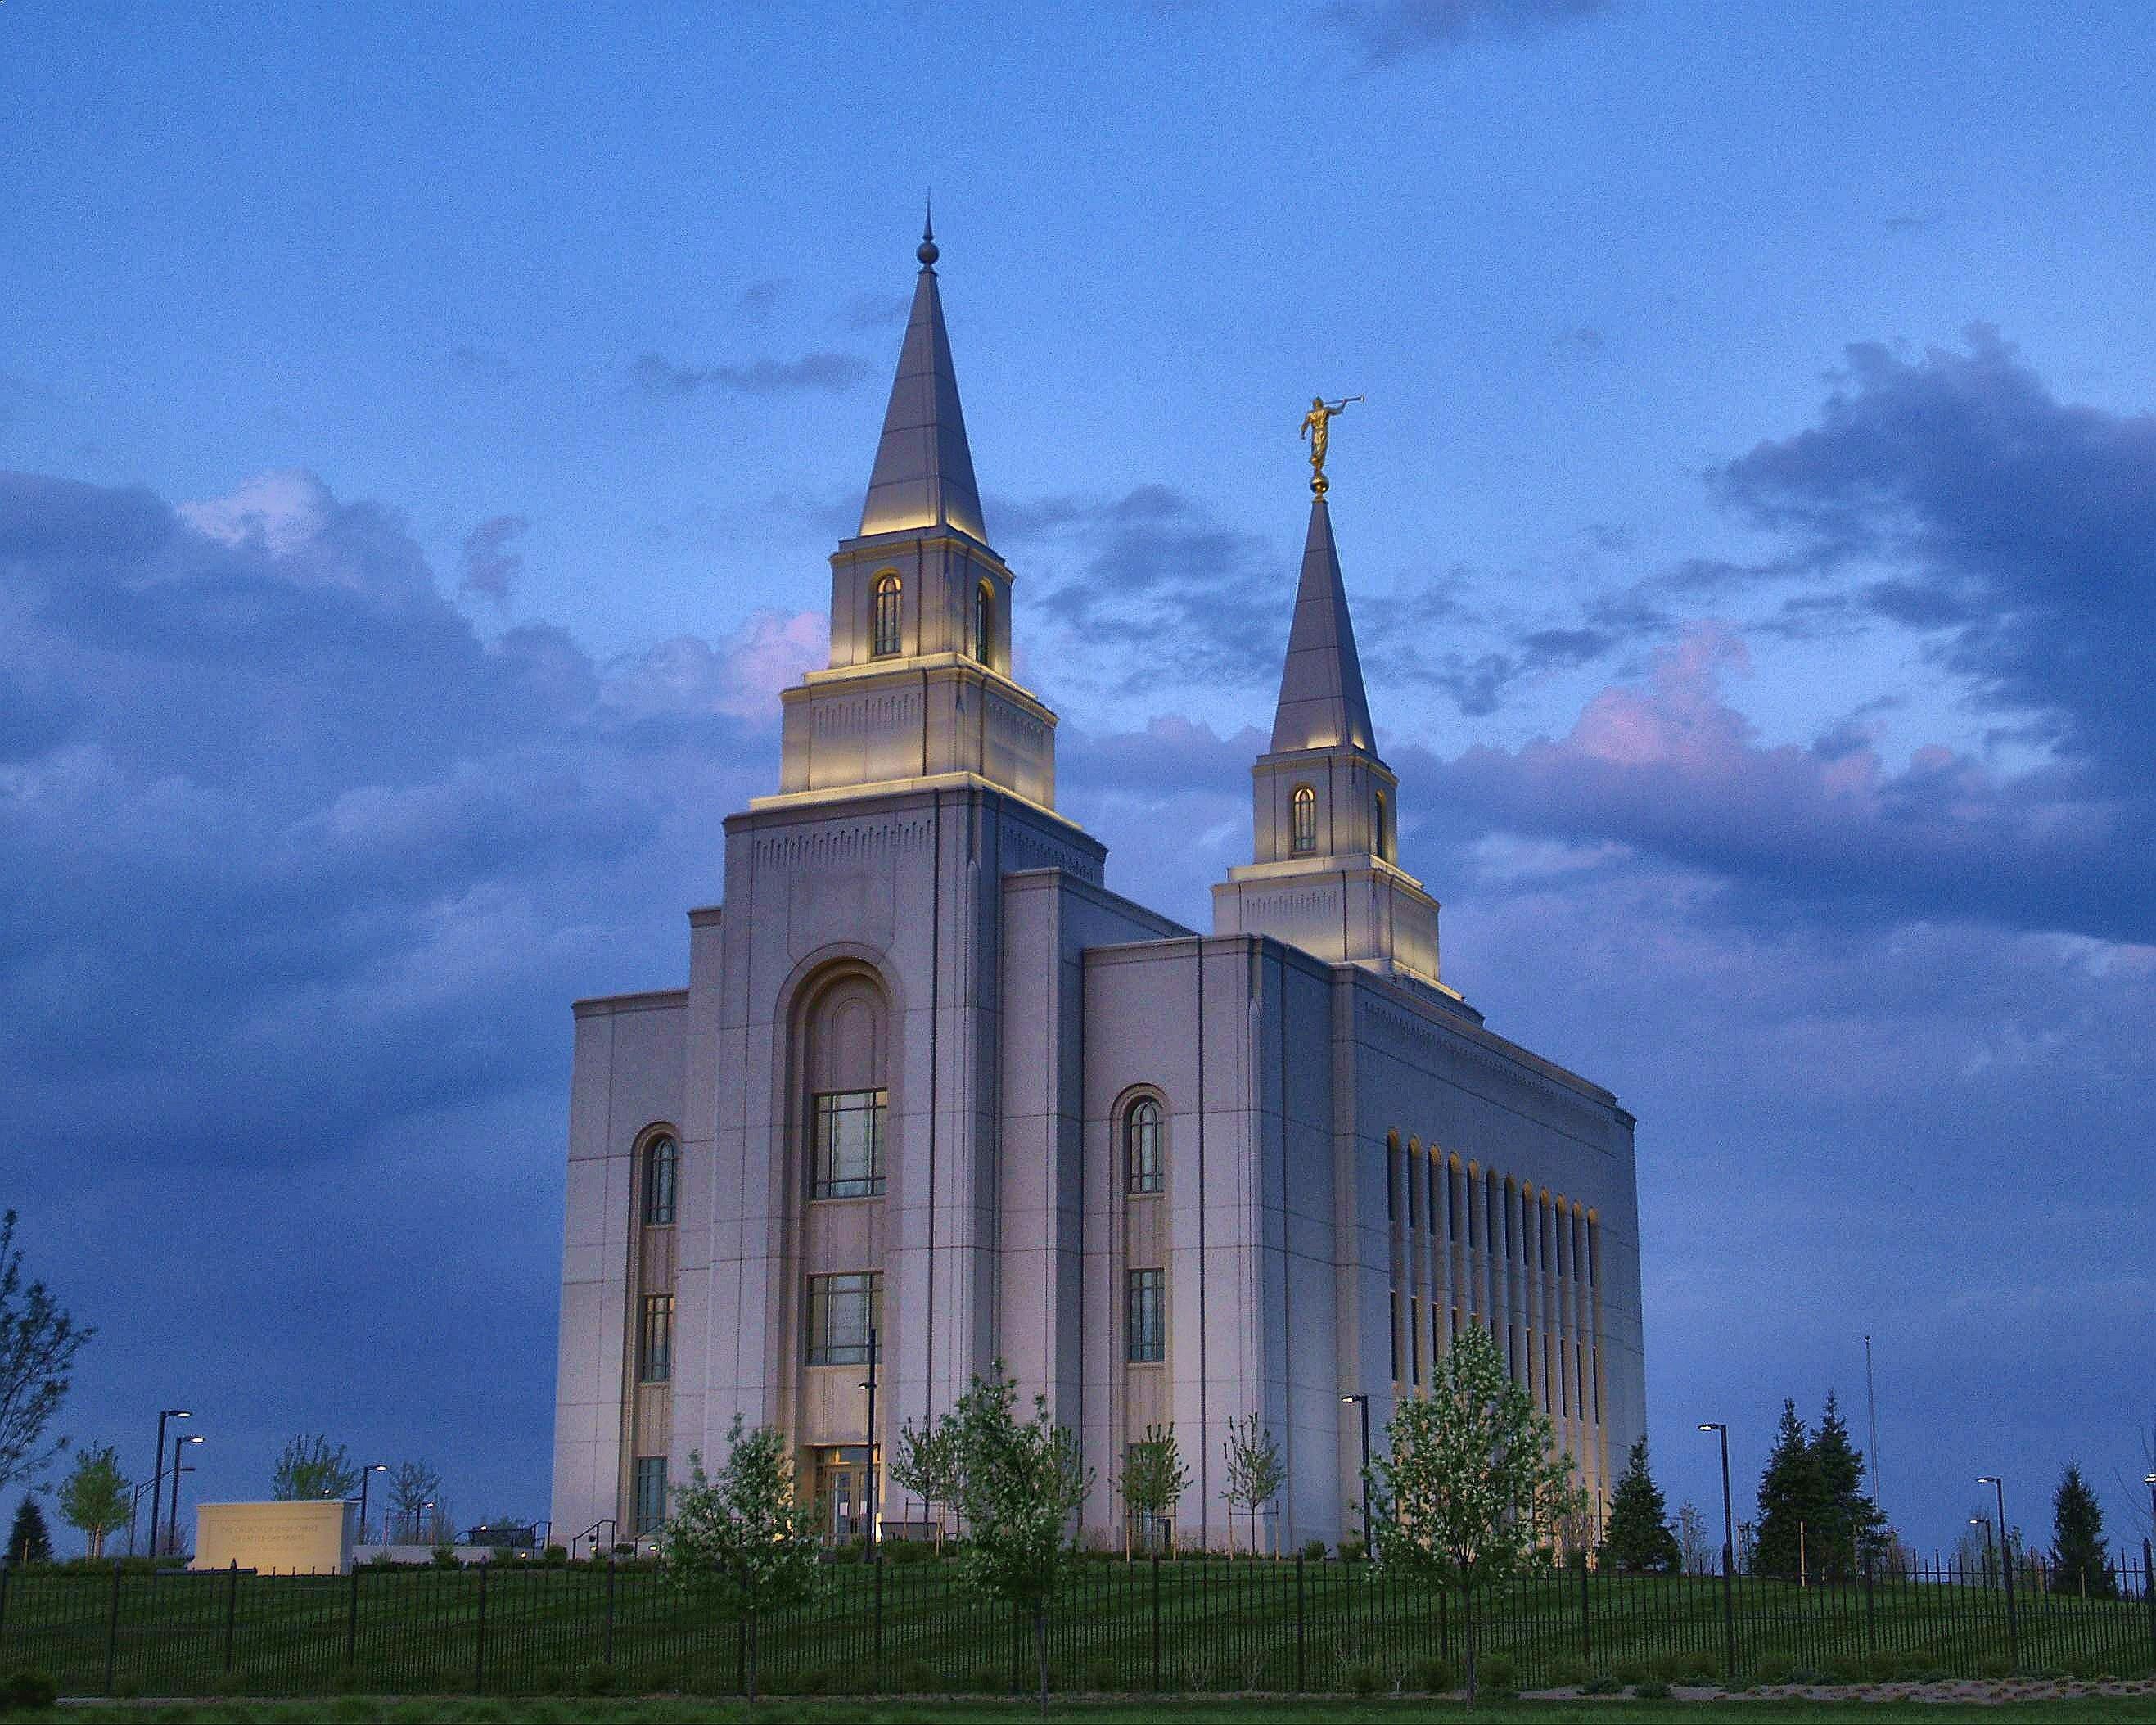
(423, 430)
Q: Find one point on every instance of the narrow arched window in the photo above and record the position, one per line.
(1384, 850)
(1141, 1145)
(884, 636)
(984, 623)
(662, 1159)
(1302, 829)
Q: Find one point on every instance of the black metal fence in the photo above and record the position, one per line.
(1152, 1627)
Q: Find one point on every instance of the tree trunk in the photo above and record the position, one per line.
(1469, 1619)
(1040, 1649)
(748, 1663)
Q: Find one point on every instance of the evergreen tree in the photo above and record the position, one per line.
(1637, 1535)
(2078, 1563)
(29, 1540)
(1792, 1500)
(1850, 1525)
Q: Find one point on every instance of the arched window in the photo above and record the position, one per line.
(662, 1159)
(1141, 1145)
(984, 623)
(1378, 843)
(848, 1101)
(1302, 829)
(884, 637)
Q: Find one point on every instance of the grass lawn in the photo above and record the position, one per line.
(2119, 1710)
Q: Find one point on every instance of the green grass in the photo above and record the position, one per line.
(1222, 1627)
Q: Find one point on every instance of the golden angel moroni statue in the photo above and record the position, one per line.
(1316, 427)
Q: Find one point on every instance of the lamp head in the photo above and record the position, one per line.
(1987, 1479)
(378, 1467)
(176, 1414)
(191, 1439)
(1713, 1426)
(2148, 1479)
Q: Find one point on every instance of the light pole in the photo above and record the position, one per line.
(872, 1546)
(172, 1527)
(135, 1506)
(1728, 1555)
(2006, 1569)
(2149, 1481)
(156, 1495)
(1984, 1523)
(366, 1479)
(418, 1522)
(1369, 1541)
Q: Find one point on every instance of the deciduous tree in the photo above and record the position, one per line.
(1255, 1472)
(1154, 1477)
(414, 1490)
(923, 1462)
(95, 1496)
(311, 1467)
(38, 1341)
(743, 1537)
(1471, 1483)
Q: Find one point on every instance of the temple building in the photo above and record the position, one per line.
(932, 1081)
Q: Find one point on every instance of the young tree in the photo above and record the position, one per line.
(1695, 1548)
(1155, 1479)
(1255, 1473)
(745, 1537)
(2079, 1564)
(37, 1345)
(1472, 1482)
(95, 1497)
(1020, 1481)
(309, 1468)
(1851, 1528)
(29, 1540)
(1791, 1498)
(1637, 1536)
(923, 1462)
(415, 1491)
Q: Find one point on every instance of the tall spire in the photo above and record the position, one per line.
(1322, 702)
(924, 470)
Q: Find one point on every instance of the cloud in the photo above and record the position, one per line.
(490, 566)
(1389, 30)
(831, 372)
(877, 311)
(1585, 342)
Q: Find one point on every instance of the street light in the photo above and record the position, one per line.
(156, 1496)
(1728, 1553)
(2006, 1569)
(172, 1527)
(1984, 1523)
(372, 1467)
(419, 1525)
(2149, 1481)
(1362, 1402)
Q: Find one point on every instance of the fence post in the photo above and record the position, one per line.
(112, 1628)
(1156, 1623)
(607, 1645)
(2013, 1627)
(1870, 1615)
(2148, 1593)
(1301, 1668)
(351, 1621)
(3, 1598)
(479, 1658)
(231, 1609)
(1729, 1612)
(1586, 1630)
(876, 1680)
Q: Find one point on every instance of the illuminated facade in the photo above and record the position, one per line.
(931, 1080)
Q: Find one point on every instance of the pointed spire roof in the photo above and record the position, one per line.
(1322, 702)
(924, 470)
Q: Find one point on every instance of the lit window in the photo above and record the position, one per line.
(842, 1310)
(662, 1159)
(654, 1340)
(1141, 1145)
(1302, 832)
(848, 1143)
(984, 622)
(1147, 1315)
(885, 638)
(648, 1512)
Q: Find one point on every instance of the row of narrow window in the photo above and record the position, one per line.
(886, 635)
(1460, 1218)
(1567, 1385)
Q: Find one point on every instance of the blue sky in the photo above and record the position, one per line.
(423, 433)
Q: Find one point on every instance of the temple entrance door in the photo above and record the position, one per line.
(842, 1487)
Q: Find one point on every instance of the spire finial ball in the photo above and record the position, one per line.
(927, 251)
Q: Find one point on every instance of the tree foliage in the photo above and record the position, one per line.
(311, 1467)
(1154, 1477)
(1020, 1482)
(2079, 1563)
(1696, 1546)
(1472, 1483)
(37, 1345)
(743, 1537)
(1637, 1536)
(95, 1496)
(1257, 1474)
(413, 1489)
(1814, 1511)
(925, 1462)
(29, 1540)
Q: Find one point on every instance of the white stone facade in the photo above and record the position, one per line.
(924, 1042)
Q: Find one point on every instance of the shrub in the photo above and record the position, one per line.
(1886, 1667)
(1997, 1668)
(1496, 1674)
(344, 1679)
(557, 1555)
(1351, 1550)
(1101, 1677)
(1434, 1676)
(27, 1688)
(1605, 1685)
(1653, 1690)
(813, 1679)
(1776, 1669)
(1630, 1671)
(1698, 1670)
(908, 1551)
(1314, 1551)
(914, 1677)
(595, 1678)
(445, 1558)
(1570, 1674)
(1363, 1678)
(1847, 1668)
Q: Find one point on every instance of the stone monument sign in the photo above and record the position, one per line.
(311, 1536)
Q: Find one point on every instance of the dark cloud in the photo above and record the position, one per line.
(1585, 342)
(877, 311)
(760, 299)
(1905, 224)
(832, 373)
(1388, 30)
(490, 563)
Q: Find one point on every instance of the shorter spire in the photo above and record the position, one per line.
(1322, 702)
